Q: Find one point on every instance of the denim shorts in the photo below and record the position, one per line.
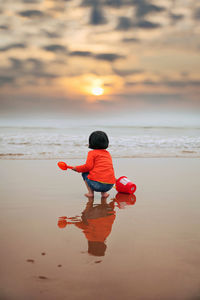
(96, 185)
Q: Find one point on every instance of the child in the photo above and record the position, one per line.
(98, 172)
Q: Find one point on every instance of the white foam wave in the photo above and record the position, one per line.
(39, 143)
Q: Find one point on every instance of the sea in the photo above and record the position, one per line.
(63, 139)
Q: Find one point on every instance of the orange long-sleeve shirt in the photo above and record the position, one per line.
(99, 165)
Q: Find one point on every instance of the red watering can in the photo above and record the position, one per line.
(124, 185)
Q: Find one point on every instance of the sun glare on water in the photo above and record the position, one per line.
(97, 91)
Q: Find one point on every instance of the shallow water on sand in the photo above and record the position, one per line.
(56, 245)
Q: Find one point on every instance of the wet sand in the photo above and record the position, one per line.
(56, 246)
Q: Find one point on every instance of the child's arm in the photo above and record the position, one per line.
(87, 166)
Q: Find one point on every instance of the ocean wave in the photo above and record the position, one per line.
(11, 154)
(41, 144)
(123, 126)
(44, 156)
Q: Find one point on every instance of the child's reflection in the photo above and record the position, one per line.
(96, 221)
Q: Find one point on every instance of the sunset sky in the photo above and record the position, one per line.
(98, 55)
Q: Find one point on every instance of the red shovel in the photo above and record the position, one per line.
(63, 166)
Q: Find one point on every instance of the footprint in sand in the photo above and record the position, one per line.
(42, 277)
(30, 260)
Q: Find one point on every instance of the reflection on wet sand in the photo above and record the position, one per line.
(122, 200)
(96, 221)
(152, 250)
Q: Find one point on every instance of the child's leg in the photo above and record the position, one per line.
(104, 194)
(90, 191)
(105, 189)
(104, 201)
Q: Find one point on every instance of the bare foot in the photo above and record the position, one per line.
(89, 195)
(105, 195)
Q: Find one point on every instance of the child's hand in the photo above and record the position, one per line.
(74, 169)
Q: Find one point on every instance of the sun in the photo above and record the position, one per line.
(97, 91)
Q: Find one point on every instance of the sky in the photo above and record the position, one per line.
(88, 56)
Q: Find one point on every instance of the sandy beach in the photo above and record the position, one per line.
(151, 246)
(114, 75)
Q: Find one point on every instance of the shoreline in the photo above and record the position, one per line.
(2, 157)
